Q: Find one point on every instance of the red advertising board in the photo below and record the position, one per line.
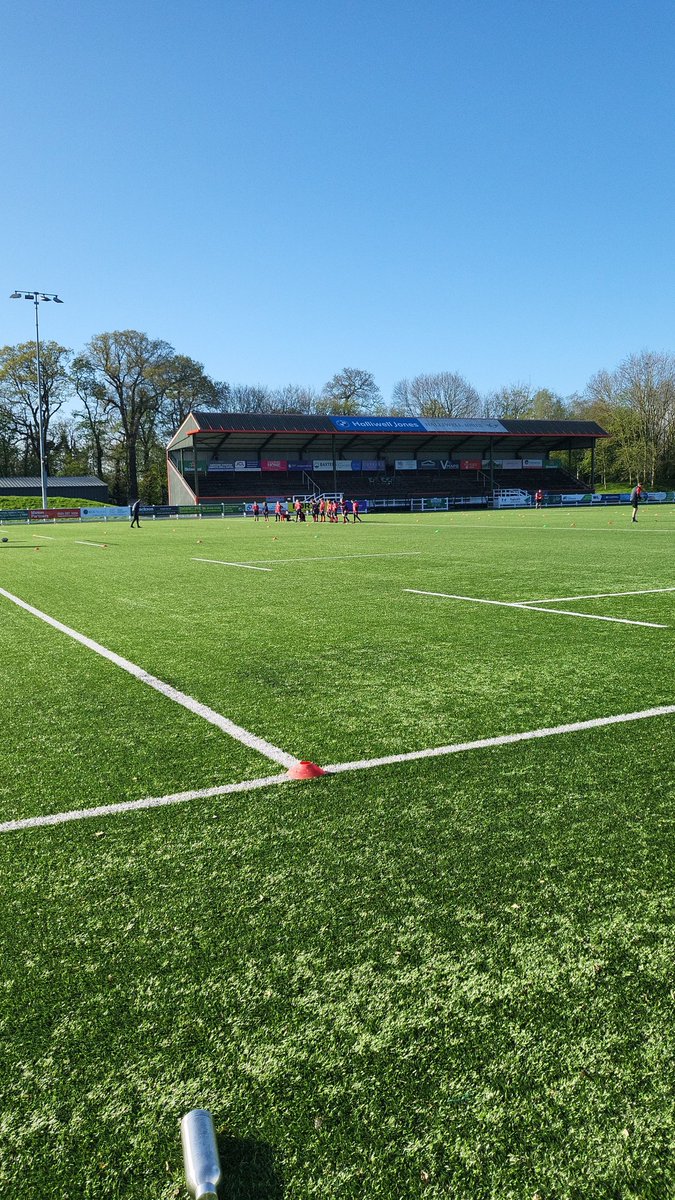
(53, 514)
(470, 464)
(274, 464)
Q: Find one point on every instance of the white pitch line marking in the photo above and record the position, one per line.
(336, 768)
(599, 596)
(337, 557)
(621, 528)
(201, 710)
(219, 562)
(108, 810)
(99, 545)
(561, 612)
(504, 740)
(44, 536)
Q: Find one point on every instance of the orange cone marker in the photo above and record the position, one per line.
(305, 770)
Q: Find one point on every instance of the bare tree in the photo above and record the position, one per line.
(249, 398)
(351, 392)
(513, 402)
(445, 394)
(294, 399)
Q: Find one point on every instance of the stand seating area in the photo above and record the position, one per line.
(245, 486)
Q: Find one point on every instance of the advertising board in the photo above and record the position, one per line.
(53, 514)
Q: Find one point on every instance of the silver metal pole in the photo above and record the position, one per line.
(41, 427)
(200, 1154)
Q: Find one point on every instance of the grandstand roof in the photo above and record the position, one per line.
(269, 431)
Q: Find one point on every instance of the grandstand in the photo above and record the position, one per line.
(382, 460)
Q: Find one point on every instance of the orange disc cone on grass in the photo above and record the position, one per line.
(305, 770)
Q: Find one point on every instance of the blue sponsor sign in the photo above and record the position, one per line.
(378, 425)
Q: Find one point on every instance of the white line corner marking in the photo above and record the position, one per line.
(536, 606)
(221, 563)
(362, 764)
(194, 706)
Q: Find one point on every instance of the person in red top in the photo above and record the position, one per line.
(277, 511)
(322, 510)
(538, 498)
(355, 512)
(255, 510)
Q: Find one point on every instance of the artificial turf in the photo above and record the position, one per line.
(448, 977)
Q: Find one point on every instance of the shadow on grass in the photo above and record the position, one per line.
(248, 1170)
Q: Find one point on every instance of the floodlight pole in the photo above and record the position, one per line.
(36, 297)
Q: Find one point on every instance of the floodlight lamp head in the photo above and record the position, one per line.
(56, 300)
(16, 296)
(29, 296)
(44, 297)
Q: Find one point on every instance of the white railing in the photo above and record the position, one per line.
(511, 498)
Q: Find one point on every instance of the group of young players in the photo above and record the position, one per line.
(319, 510)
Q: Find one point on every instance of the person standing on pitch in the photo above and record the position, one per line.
(355, 512)
(635, 498)
(538, 498)
(135, 514)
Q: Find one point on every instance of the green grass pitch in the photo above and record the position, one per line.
(441, 977)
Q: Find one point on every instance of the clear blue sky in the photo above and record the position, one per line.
(281, 188)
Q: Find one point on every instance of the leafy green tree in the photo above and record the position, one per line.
(9, 455)
(19, 393)
(97, 429)
(181, 386)
(126, 368)
(635, 403)
(547, 406)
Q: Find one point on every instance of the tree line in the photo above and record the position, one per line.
(110, 409)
